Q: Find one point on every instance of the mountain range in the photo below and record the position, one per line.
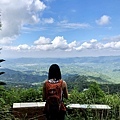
(34, 70)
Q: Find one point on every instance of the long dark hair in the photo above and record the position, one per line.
(54, 72)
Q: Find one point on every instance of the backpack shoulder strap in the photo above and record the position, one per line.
(49, 84)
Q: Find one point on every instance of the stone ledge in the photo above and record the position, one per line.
(33, 110)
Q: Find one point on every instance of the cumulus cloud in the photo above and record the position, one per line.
(113, 45)
(44, 47)
(104, 20)
(17, 13)
(84, 45)
(42, 40)
(46, 44)
(93, 40)
(60, 43)
(23, 47)
(72, 46)
(98, 45)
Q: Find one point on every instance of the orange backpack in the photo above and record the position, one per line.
(53, 96)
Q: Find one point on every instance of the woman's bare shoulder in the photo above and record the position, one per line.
(44, 82)
(64, 83)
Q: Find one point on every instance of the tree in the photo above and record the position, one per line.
(95, 93)
(1, 60)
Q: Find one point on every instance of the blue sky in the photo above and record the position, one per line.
(59, 28)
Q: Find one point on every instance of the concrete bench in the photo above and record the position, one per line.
(32, 110)
(98, 110)
(86, 106)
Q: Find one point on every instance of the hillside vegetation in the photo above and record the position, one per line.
(81, 82)
(94, 95)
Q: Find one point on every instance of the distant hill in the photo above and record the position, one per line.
(23, 77)
(101, 59)
(103, 67)
(20, 77)
(81, 82)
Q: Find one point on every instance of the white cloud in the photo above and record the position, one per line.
(61, 44)
(104, 20)
(47, 20)
(117, 45)
(45, 44)
(23, 47)
(42, 40)
(57, 43)
(17, 48)
(98, 45)
(35, 19)
(93, 40)
(45, 47)
(38, 5)
(6, 40)
(17, 13)
(66, 24)
(72, 46)
(113, 38)
(84, 45)
(113, 45)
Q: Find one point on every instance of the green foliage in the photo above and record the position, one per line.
(74, 97)
(14, 95)
(114, 102)
(4, 106)
(93, 95)
(30, 94)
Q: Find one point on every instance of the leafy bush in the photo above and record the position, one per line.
(30, 95)
(93, 95)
